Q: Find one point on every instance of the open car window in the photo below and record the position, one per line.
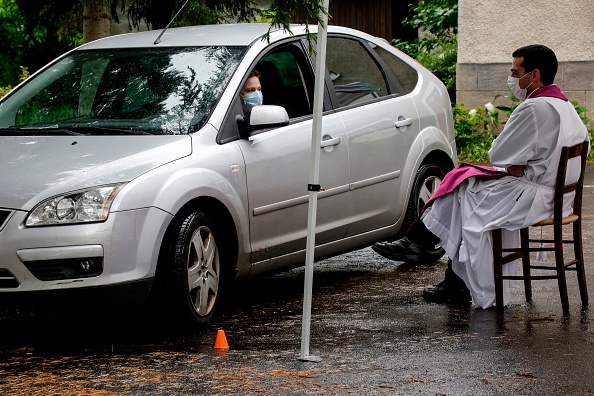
(286, 82)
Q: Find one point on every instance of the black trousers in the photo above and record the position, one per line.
(420, 235)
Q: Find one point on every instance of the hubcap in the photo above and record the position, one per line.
(203, 271)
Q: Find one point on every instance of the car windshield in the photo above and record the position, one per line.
(133, 91)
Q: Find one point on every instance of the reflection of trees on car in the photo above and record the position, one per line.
(353, 92)
(225, 61)
(194, 100)
(164, 91)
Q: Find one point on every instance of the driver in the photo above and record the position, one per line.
(251, 93)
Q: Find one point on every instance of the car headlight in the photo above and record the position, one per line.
(88, 205)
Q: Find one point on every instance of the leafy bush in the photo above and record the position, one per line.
(474, 131)
(12, 37)
(23, 75)
(437, 49)
(442, 60)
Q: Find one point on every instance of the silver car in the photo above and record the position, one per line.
(130, 171)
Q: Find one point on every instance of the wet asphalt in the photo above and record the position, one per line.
(370, 326)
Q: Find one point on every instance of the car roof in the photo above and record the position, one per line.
(240, 34)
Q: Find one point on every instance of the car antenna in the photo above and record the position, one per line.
(158, 40)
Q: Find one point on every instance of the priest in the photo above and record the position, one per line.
(515, 192)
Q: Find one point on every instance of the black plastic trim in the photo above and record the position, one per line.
(120, 294)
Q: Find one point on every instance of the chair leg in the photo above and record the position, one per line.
(579, 266)
(524, 236)
(498, 270)
(561, 272)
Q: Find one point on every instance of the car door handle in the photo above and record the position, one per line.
(404, 122)
(330, 142)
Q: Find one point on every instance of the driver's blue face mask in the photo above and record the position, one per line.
(252, 99)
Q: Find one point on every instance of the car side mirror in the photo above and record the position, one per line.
(264, 116)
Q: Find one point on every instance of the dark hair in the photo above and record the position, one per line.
(539, 57)
(254, 73)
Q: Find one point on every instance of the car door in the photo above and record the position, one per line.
(380, 127)
(277, 164)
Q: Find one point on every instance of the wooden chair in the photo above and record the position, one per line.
(558, 221)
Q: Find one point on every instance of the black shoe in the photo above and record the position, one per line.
(406, 250)
(444, 293)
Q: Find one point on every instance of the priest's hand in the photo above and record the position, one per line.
(516, 170)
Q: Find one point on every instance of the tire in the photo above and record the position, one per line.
(427, 179)
(199, 269)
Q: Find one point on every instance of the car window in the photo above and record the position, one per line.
(286, 80)
(157, 91)
(283, 81)
(355, 75)
(406, 76)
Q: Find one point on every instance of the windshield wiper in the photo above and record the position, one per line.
(19, 131)
(101, 130)
(72, 130)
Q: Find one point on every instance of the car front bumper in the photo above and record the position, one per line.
(120, 254)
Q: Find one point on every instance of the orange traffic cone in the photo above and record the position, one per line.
(221, 340)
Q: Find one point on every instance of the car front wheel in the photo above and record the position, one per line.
(198, 273)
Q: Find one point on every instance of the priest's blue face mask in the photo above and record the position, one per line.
(252, 99)
(514, 85)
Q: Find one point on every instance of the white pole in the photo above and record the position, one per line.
(314, 182)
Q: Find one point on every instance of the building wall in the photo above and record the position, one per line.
(489, 31)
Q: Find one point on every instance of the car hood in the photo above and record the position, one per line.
(38, 167)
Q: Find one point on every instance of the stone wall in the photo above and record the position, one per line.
(489, 31)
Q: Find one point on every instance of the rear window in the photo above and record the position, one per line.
(406, 76)
(156, 91)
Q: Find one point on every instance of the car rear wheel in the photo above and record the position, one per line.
(427, 179)
(198, 267)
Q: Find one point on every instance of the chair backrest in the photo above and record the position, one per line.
(561, 188)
